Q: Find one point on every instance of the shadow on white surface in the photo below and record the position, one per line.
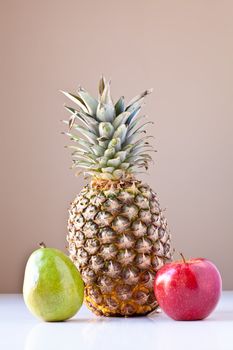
(221, 315)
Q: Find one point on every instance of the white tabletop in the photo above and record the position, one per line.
(20, 330)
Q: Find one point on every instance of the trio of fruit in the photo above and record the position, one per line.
(54, 291)
(118, 236)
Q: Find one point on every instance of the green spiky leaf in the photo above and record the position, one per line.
(120, 105)
(89, 101)
(76, 99)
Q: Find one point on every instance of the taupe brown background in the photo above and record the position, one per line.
(184, 49)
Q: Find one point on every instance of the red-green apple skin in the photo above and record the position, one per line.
(53, 289)
(188, 290)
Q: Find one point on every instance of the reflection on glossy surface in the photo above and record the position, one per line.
(20, 330)
(90, 332)
(118, 333)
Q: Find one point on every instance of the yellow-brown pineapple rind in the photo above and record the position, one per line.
(118, 238)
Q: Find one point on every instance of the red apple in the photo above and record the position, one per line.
(188, 289)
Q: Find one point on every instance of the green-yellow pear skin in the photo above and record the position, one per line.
(53, 289)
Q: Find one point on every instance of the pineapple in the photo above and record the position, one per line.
(117, 233)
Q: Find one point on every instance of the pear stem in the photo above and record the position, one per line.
(183, 258)
(42, 245)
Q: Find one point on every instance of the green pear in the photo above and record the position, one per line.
(53, 289)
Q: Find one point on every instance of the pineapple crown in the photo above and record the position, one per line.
(112, 143)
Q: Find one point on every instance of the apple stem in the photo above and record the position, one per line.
(42, 245)
(183, 258)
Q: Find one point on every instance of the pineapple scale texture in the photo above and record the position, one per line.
(118, 239)
(117, 233)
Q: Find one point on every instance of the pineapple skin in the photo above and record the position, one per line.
(118, 238)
